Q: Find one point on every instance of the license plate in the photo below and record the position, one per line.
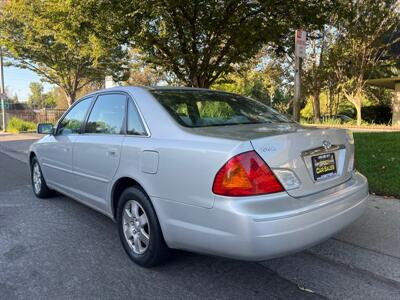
(324, 166)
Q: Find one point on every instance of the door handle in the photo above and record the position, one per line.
(66, 149)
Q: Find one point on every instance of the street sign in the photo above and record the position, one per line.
(300, 38)
(300, 43)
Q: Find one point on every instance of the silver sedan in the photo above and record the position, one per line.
(200, 170)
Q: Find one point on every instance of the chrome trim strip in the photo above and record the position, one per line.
(58, 168)
(322, 150)
(90, 177)
(78, 173)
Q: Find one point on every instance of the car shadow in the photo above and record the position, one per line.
(66, 242)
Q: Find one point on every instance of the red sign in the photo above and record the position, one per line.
(300, 43)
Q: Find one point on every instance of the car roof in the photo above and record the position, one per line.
(152, 88)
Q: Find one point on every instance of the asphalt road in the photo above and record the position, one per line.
(58, 248)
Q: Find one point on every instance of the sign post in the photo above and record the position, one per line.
(2, 91)
(300, 53)
(109, 82)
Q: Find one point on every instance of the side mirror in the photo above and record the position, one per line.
(45, 128)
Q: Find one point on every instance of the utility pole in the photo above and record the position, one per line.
(2, 90)
(297, 89)
(300, 53)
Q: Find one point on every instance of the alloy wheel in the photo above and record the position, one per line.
(36, 178)
(136, 227)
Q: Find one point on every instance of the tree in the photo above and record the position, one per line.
(61, 100)
(142, 73)
(38, 99)
(199, 41)
(361, 44)
(315, 75)
(36, 95)
(68, 43)
(262, 78)
(14, 99)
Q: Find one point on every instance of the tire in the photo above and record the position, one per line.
(139, 229)
(39, 186)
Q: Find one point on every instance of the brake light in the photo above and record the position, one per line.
(246, 174)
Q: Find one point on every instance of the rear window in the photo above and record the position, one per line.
(193, 108)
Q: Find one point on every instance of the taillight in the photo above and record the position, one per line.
(246, 174)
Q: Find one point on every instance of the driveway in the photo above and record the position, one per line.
(58, 248)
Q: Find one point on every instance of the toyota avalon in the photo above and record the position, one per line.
(200, 170)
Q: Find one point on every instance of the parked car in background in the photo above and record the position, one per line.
(200, 170)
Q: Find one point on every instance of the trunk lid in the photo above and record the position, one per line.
(294, 148)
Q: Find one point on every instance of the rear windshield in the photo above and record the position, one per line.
(193, 108)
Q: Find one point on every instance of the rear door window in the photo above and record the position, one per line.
(107, 115)
(135, 125)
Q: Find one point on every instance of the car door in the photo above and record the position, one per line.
(56, 154)
(96, 152)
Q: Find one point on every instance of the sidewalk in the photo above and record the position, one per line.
(356, 128)
(370, 248)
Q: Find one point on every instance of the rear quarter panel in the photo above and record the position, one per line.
(185, 168)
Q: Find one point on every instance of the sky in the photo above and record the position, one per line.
(17, 82)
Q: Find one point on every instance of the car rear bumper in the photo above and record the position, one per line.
(260, 228)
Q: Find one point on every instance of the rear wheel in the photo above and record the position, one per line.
(39, 186)
(139, 230)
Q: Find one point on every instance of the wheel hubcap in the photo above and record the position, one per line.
(136, 227)
(37, 178)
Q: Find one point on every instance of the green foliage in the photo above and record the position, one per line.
(307, 111)
(361, 44)
(199, 41)
(141, 73)
(38, 99)
(215, 109)
(68, 43)
(17, 125)
(262, 81)
(331, 121)
(378, 158)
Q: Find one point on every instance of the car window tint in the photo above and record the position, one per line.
(72, 121)
(107, 115)
(135, 125)
(215, 110)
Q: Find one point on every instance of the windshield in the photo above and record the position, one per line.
(198, 108)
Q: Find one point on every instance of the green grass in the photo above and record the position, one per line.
(378, 158)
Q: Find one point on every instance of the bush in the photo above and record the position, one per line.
(331, 121)
(378, 114)
(18, 125)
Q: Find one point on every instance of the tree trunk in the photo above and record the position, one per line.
(356, 99)
(337, 102)
(200, 82)
(331, 102)
(316, 107)
(357, 105)
(70, 97)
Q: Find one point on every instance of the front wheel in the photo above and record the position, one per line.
(39, 186)
(139, 230)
